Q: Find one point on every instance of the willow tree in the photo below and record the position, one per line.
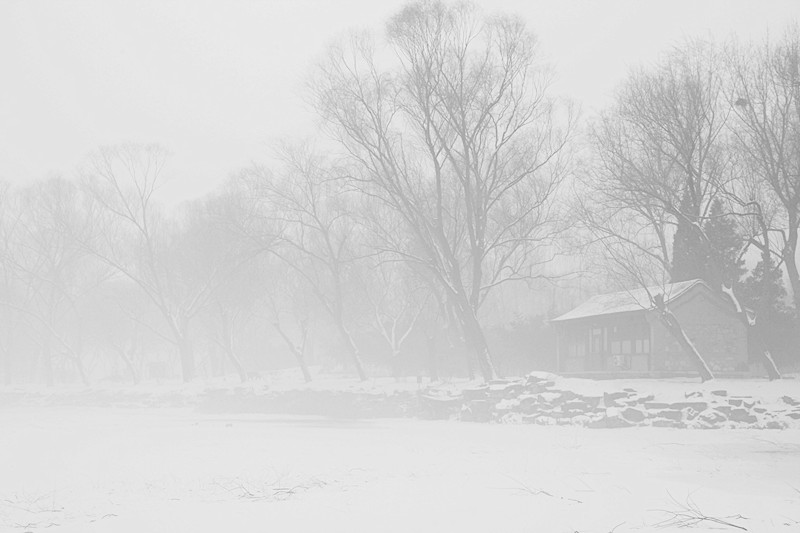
(662, 161)
(179, 265)
(765, 94)
(450, 126)
(666, 167)
(319, 241)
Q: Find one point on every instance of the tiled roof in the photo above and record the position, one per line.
(626, 301)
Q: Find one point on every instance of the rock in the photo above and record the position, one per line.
(592, 401)
(504, 389)
(567, 395)
(670, 414)
(713, 417)
(541, 384)
(645, 399)
(775, 424)
(514, 390)
(634, 415)
(504, 406)
(534, 388)
(702, 424)
(530, 419)
(510, 418)
(528, 403)
(549, 398)
(697, 406)
(576, 407)
(794, 416)
(719, 393)
(789, 400)
(609, 422)
(611, 399)
(656, 405)
(667, 423)
(741, 401)
(742, 415)
(695, 394)
(691, 414)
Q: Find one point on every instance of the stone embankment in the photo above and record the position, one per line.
(537, 400)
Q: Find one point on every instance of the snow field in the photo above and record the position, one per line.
(82, 469)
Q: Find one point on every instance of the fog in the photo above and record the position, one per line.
(410, 265)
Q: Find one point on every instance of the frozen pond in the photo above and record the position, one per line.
(162, 470)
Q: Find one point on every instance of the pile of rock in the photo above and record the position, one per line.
(537, 400)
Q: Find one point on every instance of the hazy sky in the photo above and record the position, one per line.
(217, 82)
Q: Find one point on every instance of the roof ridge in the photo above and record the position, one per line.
(628, 300)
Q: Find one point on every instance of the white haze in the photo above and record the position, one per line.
(218, 82)
(106, 427)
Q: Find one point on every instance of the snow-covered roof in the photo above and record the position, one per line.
(626, 301)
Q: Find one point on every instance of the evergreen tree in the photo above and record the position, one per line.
(708, 251)
(688, 251)
(723, 266)
(763, 293)
(763, 290)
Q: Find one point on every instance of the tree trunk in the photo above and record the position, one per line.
(791, 269)
(433, 369)
(674, 328)
(186, 354)
(8, 364)
(297, 351)
(7, 367)
(766, 357)
(129, 365)
(47, 359)
(234, 359)
(227, 346)
(473, 334)
(78, 362)
(301, 362)
(752, 330)
(350, 344)
(180, 330)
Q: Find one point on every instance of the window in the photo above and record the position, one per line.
(597, 340)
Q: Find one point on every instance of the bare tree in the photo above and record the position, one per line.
(289, 300)
(661, 161)
(631, 269)
(219, 244)
(661, 150)
(398, 299)
(179, 266)
(765, 93)
(319, 235)
(53, 271)
(7, 286)
(456, 134)
(664, 157)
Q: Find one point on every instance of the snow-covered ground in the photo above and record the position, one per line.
(84, 469)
